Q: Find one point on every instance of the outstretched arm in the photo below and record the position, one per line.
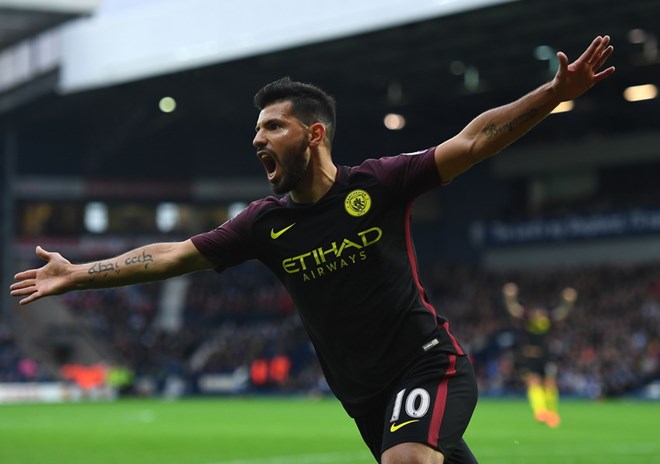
(568, 299)
(493, 130)
(145, 264)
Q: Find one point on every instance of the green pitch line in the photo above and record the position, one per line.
(306, 431)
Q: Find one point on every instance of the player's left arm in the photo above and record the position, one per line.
(510, 294)
(494, 129)
(568, 298)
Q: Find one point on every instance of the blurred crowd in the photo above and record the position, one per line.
(243, 321)
(609, 345)
(15, 366)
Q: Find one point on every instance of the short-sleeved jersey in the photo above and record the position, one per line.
(349, 264)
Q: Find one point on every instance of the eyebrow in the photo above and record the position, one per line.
(281, 120)
(267, 121)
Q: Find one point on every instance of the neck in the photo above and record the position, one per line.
(313, 187)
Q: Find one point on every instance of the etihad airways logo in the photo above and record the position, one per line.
(338, 255)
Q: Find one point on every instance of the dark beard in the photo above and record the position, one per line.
(293, 170)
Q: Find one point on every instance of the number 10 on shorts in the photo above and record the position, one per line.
(417, 404)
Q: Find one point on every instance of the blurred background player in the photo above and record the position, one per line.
(538, 367)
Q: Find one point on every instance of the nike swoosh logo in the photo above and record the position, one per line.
(275, 235)
(395, 427)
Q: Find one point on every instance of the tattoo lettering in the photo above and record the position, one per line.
(492, 130)
(103, 268)
(144, 258)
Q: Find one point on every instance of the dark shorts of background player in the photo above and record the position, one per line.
(539, 365)
(432, 403)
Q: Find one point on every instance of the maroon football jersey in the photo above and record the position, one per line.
(349, 264)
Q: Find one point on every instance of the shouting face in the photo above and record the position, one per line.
(282, 147)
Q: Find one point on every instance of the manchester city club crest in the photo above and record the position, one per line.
(357, 203)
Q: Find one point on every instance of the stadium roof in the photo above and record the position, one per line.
(22, 19)
(438, 73)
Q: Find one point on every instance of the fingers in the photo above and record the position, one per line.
(20, 285)
(563, 60)
(29, 274)
(587, 65)
(25, 289)
(22, 288)
(43, 254)
(25, 284)
(30, 299)
(604, 55)
(602, 45)
(597, 56)
(601, 61)
(593, 51)
(603, 74)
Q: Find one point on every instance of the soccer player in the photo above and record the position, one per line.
(340, 241)
(538, 369)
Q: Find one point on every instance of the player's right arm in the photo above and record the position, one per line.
(495, 129)
(149, 263)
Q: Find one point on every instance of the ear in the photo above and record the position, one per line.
(317, 133)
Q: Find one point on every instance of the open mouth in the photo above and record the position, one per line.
(269, 163)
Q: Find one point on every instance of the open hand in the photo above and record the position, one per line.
(50, 279)
(574, 79)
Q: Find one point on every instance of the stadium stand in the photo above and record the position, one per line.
(607, 347)
(238, 332)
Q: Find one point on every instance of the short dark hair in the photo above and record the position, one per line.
(309, 103)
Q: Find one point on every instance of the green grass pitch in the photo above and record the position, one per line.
(307, 431)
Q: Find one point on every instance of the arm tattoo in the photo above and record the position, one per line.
(144, 258)
(104, 268)
(492, 130)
